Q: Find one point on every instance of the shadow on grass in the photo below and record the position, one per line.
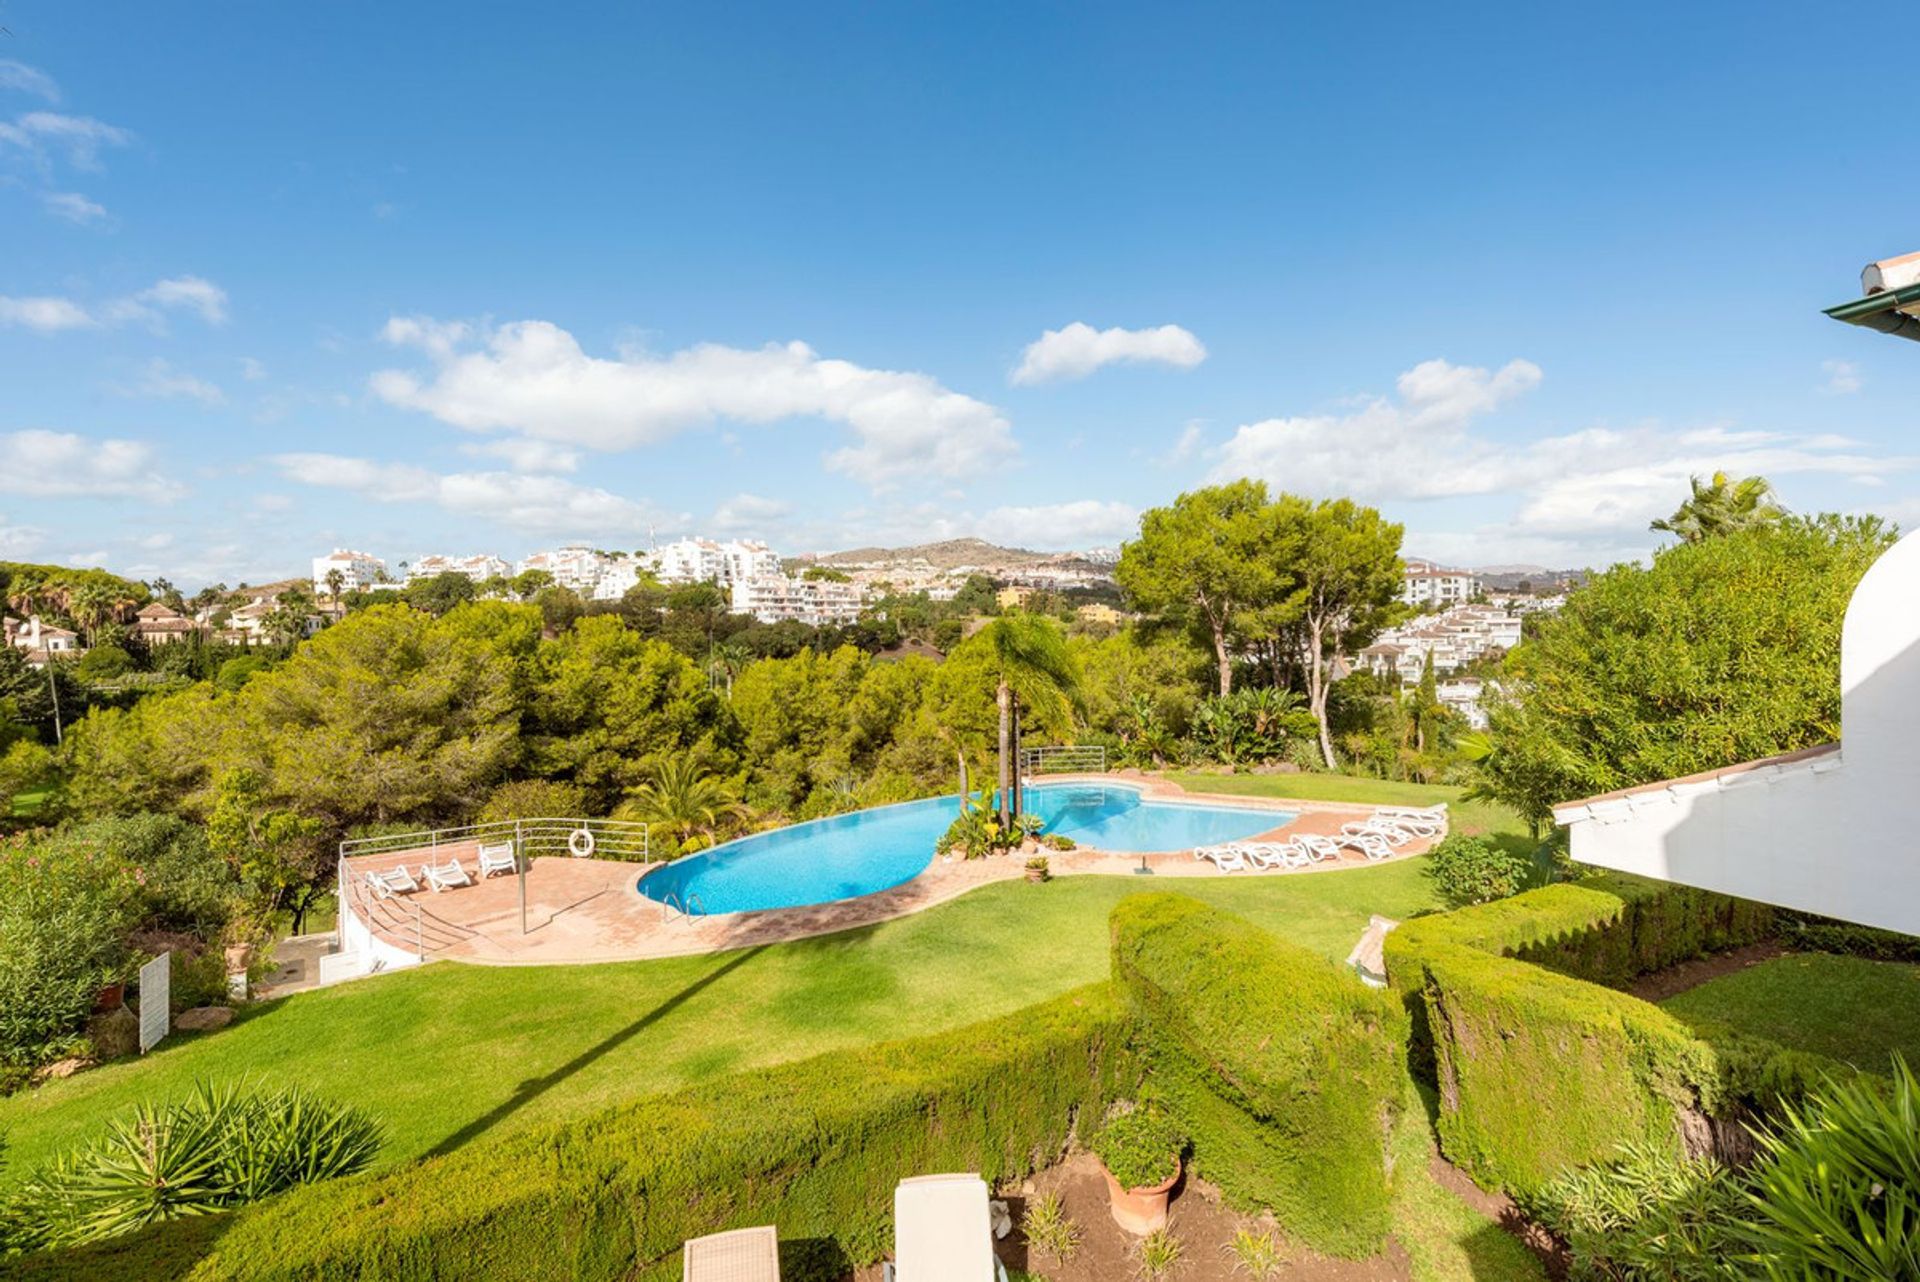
(534, 1087)
(161, 1253)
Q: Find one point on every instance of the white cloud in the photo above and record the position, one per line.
(18, 540)
(63, 465)
(532, 504)
(533, 378)
(18, 77)
(52, 314)
(162, 381)
(1076, 525)
(749, 514)
(155, 542)
(1843, 377)
(252, 370)
(46, 315)
(81, 137)
(524, 454)
(1192, 437)
(1601, 485)
(73, 207)
(1079, 349)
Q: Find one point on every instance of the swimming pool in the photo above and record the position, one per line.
(871, 850)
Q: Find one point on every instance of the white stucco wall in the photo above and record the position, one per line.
(1838, 834)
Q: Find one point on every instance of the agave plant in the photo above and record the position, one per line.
(221, 1146)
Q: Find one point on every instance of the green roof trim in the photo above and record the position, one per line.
(1879, 311)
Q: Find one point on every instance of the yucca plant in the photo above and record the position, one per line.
(1255, 1254)
(1836, 1189)
(1649, 1213)
(221, 1146)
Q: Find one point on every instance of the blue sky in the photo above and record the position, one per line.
(426, 277)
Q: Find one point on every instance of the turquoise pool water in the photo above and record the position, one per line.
(870, 850)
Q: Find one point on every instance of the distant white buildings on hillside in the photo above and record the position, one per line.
(1427, 583)
(772, 598)
(478, 568)
(358, 571)
(1454, 638)
(705, 560)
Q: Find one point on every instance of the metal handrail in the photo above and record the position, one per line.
(1090, 758)
(623, 839)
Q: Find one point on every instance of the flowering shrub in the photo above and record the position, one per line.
(65, 910)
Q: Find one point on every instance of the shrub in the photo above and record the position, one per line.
(1160, 1253)
(65, 911)
(1284, 1069)
(1648, 1213)
(1048, 1228)
(1058, 841)
(103, 663)
(814, 1146)
(1837, 1186)
(1255, 1254)
(534, 799)
(1140, 1147)
(1471, 870)
(1537, 1071)
(219, 1147)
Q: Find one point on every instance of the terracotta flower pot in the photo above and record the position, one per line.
(239, 957)
(1036, 875)
(1140, 1211)
(111, 997)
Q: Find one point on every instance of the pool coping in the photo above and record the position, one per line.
(638, 929)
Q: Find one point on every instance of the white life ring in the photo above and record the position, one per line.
(580, 843)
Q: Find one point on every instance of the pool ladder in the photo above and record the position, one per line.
(685, 906)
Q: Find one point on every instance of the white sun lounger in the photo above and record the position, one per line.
(1277, 854)
(1369, 844)
(393, 881)
(1226, 858)
(943, 1231)
(1392, 834)
(1317, 847)
(446, 876)
(741, 1255)
(496, 858)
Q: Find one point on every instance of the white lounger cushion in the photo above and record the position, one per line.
(447, 875)
(496, 858)
(942, 1230)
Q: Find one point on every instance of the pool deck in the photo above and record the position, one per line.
(590, 910)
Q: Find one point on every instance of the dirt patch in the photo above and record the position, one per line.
(1500, 1208)
(1675, 980)
(1204, 1225)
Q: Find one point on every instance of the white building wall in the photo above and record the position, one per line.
(359, 569)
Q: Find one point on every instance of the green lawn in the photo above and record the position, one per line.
(28, 804)
(1849, 1008)
(449, 1052)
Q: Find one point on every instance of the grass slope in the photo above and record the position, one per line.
(449, 1053)
(1848, 1008)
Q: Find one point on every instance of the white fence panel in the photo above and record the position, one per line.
(156, 1000)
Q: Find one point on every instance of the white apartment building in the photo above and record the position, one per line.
(772, 598)
(574, 566)
(358, 571)
(701, 560)
(1454, 638)
(620, 576)
(477, 568)
(1427, 583)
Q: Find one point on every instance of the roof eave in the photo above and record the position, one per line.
(1886, 311)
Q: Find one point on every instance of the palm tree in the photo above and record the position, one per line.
(683, 799)
(729, 659)
(91, 606)
(336, 581)
(1722, 506)
(1028, 657)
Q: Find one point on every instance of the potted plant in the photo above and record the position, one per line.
(242, 935)
(1037, 869)
(110, 997)
(1139, 1153)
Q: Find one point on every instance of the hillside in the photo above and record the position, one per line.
(948, 554)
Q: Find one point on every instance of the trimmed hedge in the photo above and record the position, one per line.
(815, 1147)
(1286, 1071)
(1538, 1070)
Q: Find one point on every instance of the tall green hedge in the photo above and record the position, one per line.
(1286, 1070)
(1538, 1069)
(815, 1147)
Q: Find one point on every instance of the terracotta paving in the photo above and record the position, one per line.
(590, 910)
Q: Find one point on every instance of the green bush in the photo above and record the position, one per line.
(103, 663)
(1648, 1213)
(1538, 1070)
(1805, 934)
(534, 799)
(1285, 1070)
(815, 1147)
(65, 910)
(220, 1147)
(1471, 870)
(1140, 1148)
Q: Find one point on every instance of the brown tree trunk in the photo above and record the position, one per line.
(1317, 691)
(1018, 786)
(1221, 658)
